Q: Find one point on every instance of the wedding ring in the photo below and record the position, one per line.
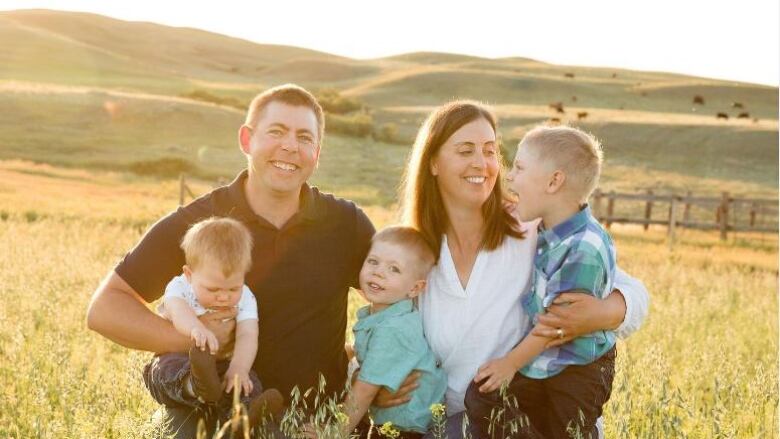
(559, 332)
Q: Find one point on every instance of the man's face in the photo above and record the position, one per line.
(282, 148)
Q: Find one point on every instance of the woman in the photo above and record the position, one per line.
(471, 309)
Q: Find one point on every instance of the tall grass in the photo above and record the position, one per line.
(704, 364)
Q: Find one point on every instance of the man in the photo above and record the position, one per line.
(308, 250)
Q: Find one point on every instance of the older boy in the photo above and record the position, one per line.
(560, 391)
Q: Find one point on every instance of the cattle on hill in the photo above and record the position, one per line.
(557, 106)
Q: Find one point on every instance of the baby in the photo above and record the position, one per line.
(218, 254)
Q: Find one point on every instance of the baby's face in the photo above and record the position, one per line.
(389, 275)
(213, 289)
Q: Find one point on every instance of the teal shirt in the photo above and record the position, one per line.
(389, 345)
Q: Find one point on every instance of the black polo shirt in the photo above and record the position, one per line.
(300, 276)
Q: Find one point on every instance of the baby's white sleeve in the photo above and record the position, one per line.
(178, 287)
(247, 306)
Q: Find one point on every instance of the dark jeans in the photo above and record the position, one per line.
(165, 376)
(562, 406)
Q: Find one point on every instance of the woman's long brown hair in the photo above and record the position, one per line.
(422, 205)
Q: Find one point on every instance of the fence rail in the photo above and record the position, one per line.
(682, 211)
(760, 215)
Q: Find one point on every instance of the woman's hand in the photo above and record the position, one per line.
(385, 398)
(495, 373)
(577, 314)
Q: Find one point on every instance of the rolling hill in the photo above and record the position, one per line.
(87, 91)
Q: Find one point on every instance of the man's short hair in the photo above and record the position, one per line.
(222, 241)
(289, 94)
(411, 239)
(577, 153)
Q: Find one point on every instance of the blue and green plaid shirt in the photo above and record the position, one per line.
(577, 254)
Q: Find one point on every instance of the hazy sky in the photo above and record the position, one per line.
(733, 39)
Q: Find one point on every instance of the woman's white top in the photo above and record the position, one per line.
(467, 327)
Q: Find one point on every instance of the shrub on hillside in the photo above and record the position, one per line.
(332, 102)
(387, 133)
(356, 125)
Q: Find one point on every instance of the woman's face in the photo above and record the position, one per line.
(466, 166)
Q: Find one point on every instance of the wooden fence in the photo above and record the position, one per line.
(725, 214)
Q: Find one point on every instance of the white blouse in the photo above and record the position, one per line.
(467, 327)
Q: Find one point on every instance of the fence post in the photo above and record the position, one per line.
(687, 211)
(648, 209)
(182, 185)
(610, 208)
(723, 214)
(672, 220)
(753, 214)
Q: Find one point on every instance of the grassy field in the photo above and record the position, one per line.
(704, 365)
(100, 114)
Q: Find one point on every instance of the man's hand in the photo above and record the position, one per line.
(495, 373)
(222, 323)
(577, 314)
(385, 398)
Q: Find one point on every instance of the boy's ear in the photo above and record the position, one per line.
(417, 289)
(556, 181)
(187, 273)
(245, 138)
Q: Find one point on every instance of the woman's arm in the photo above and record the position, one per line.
(579, 314)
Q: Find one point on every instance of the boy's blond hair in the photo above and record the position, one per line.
(412, 239)
(222, 241)
(577, 153)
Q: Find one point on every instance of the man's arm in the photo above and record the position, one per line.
(118, 313)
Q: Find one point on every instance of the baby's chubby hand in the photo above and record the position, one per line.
(244, 383)
(203, 339)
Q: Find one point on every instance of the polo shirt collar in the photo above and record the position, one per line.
(366, 320)
(308, 211)
(551, 237)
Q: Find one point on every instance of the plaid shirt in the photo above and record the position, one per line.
(575, 255)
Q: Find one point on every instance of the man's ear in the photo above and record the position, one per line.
(245, 138)
(556, 181)
(187, 273)
(417, 289)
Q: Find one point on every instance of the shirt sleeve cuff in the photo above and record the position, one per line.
(636, 298)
